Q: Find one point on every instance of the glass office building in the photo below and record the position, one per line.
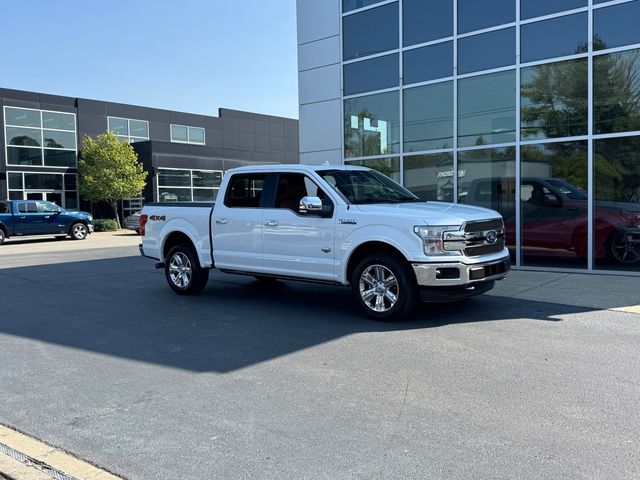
(528, 107)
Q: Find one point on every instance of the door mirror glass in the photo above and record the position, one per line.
(310, 206)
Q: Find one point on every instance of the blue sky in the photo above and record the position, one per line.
(186, 55)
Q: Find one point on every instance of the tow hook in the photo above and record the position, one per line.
(470, 286)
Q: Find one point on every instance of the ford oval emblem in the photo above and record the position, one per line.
(491, 237)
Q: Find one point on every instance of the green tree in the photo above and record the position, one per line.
(110, 171)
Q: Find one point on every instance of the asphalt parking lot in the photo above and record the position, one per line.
(100, 358)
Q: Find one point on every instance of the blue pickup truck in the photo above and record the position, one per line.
(20, 218)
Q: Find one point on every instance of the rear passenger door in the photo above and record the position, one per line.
(26, 219)
(237, 223)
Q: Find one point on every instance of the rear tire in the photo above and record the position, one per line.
(182, 269)
(78, 231)
(384, 287)
(622, 249)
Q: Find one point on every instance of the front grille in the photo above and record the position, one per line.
(476, 237)
(484, 249)
(484, 225)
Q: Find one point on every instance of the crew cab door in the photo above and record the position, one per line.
(237, 224)
(26, 218)
(294, 244)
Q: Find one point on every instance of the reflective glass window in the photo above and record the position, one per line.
(24, 156)
(368, 75)
(70, 182)
(179, 133)
(15, 181)
(487, 109)
(538, 8)
(206, 179)
(71, 200)
(486, 178)
(562, 36)
(617, 203)
(21, 117)
(139, 128)
(372, 125)
(42, 181)
(59, 121)
(60, 158)
(428, 117)
(554, 204)
(616, 26)
(58, 139)
(430, 177)
(554, 100)
(371, 31)
(428, 63)
(174, 178)
(387, 166)
(476, 15)
(616, 92)
(196, 135)
(28, 137)
(473, 52)
(171, 194)
(348, 5)
(119, 126)
(426, 21)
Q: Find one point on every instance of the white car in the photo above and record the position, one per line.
(341, 225)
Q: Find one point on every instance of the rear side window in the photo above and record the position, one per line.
(245, 191)
(27, 207)
(4, 207)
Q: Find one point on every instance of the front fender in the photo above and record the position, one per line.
(406, 244)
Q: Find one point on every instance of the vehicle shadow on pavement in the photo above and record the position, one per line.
(122, 307)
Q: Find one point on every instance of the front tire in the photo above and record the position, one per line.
(384, 287)
(78, 231)
(182, 269)
(2, 236)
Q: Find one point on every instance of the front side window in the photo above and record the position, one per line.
(293, 187)
(361, 187)
(245, 191)
(48, 207)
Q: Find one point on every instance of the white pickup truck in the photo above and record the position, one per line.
(341, 225)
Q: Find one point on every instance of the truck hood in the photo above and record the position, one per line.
(431, 213)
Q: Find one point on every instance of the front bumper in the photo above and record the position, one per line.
(90, 228)
(460, 274)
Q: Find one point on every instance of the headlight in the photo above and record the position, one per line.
(433, 239)
(90, 218)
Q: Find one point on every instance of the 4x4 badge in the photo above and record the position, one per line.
(348, 221)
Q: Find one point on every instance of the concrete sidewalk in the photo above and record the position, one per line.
(601, 292)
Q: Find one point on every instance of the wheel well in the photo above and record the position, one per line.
(175, 238)
(367, 249)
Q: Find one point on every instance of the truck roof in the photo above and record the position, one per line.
(294, 168)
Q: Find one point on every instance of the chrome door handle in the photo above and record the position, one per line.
(221, 221)
(22, 218)
(271, 223)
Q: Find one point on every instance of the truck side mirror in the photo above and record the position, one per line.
(551, 200)
(310, 206)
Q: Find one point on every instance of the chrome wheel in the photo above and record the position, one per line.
(180, 270)
(378, 288)
(79, 231)
(625, 248)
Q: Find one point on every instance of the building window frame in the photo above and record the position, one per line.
(191, 186)
(41, 130)
(128, 137)
(189, 140)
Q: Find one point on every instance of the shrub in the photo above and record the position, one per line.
(105, 225)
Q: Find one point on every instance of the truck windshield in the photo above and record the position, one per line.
(366, 186)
